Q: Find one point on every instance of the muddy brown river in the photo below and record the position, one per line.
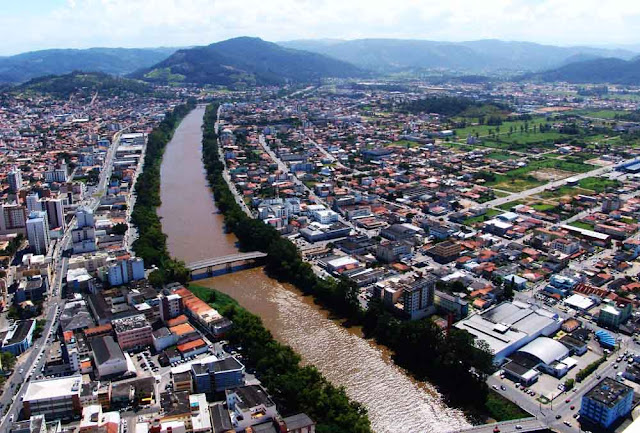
(395, 402)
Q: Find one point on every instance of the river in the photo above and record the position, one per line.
(395, 402)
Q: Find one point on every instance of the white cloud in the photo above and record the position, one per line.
(133, 23)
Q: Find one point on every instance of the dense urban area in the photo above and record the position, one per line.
(483, 233)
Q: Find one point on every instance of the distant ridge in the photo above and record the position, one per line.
(245, 61)
(482, 56)
(597, 71)
(115, 61)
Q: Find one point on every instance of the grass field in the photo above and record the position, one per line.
(543, 207)
(521, 179)
(582, 225)
(502, 156)
(508, 205)
(514, 184)
(483, 130)
(600, 114)
(565, 191)
(481, 218)
(598, 184)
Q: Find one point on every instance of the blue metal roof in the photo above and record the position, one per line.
(605, 338)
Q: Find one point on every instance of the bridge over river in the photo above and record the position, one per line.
(227, 261)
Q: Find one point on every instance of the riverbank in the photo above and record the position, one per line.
(151, 244)
(451, 360)
(293, 387)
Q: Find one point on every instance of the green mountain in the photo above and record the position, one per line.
(84, 84)
(245, 61)
(608, 70)
(483, 56)
(115, 61)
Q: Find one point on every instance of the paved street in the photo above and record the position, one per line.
(32, 362)
(537, 190)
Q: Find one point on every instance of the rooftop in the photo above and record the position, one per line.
(53, 388)
(608, 392)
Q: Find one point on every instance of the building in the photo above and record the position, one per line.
(56, 398)
(14, 177)
(390, 252)
(133, 332)
(418, 298)
(84, 235)
(33, 203)
(55, 213)
(14, 218)
(38, 232)
(606, 402)
(176, 407)
(108, 357)
(95, 421)
(36, 424)
(612, 317)
(541, 355)
(171, 306)
(125, 271)
(200, 415)
(509, 326)
(202, 313)
(216, 376)
(19, 337)
(445, 252)
(250, 405)
(163, 338)
(451, 304)
(182, 381)
(58, 174)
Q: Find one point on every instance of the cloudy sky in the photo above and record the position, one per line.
(37, 24)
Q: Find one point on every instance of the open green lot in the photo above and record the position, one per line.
(483, 130)
(508, 205)
(565, 191)
(598, 184)
(481, 218)
(522, 178)
(502, 156)
(582, 225)
(599, 114)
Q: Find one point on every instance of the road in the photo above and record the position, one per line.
(537, 190)
(35, 358)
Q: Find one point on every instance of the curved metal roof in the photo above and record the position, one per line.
(546, 349)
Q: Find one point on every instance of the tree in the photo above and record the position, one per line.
(8, 361)
(119, 229)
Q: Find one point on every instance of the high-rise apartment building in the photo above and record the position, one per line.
(38, 232)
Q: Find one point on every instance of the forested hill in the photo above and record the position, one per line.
(84, 83)
(245, 61)
(116, 61)
(610, 70)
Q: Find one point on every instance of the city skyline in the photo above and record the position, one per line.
(141, 23)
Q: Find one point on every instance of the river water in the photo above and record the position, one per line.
(395, 402)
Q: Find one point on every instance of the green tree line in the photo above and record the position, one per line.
(151, 244)
(294, 388)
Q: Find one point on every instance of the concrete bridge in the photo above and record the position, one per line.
(524, 425)
(227, 261)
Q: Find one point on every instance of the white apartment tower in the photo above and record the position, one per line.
(33, 203)
(38, 232)
(15, 179)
